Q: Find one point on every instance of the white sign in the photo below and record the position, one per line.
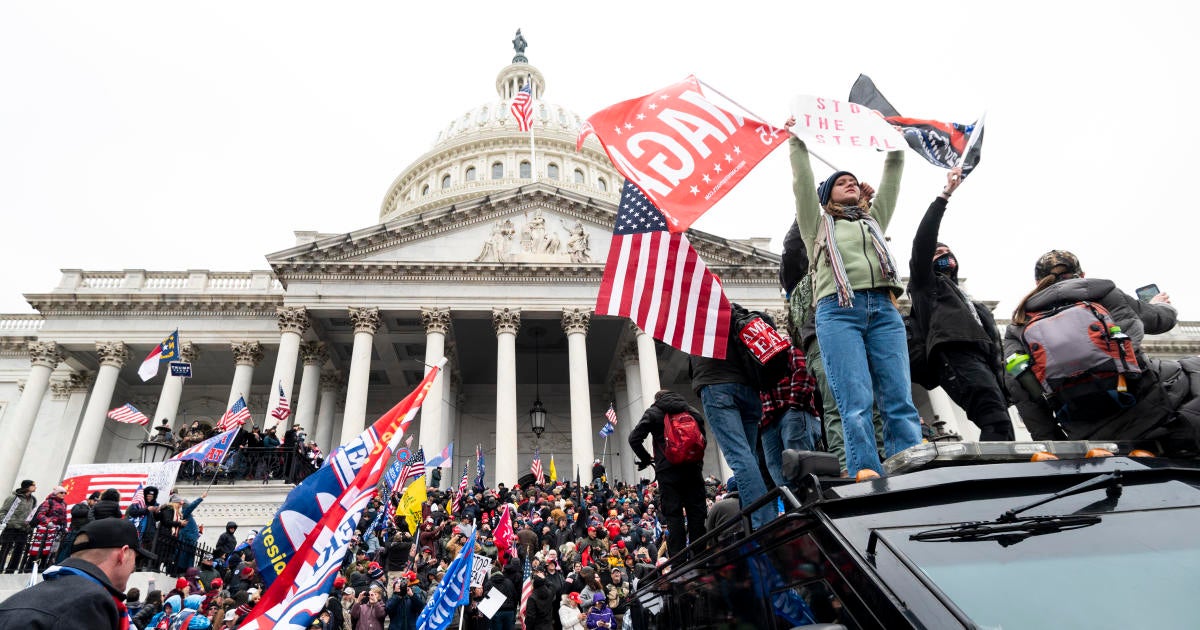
(481, 566)
(830, 122)
(492, 602)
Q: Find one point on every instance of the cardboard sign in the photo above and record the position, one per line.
(830, 122)
(481, 566)
(179, 368)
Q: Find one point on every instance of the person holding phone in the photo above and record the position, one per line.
(1165, 404)
(369, 612)
(600, 615)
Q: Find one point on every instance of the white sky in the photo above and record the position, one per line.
(153, 135)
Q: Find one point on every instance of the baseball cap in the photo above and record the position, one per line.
(109, 533)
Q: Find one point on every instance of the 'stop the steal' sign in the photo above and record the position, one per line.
(830, 122)
(682, 150)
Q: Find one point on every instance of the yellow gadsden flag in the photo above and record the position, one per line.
(410, 504)
(553, 472)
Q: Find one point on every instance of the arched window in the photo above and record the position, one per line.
(445, 182)
(482, 117)
(470, 174)
(497, 170)
(526, 171)
(425, 190)
(602, 184)
(578, 176)
(552, 171)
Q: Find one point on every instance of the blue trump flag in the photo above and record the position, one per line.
(453, 591)
(213, 449)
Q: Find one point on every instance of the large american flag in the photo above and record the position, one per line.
(536, 466)
(655, 278)
(526, 589)
(128, 414)
(237, 415)
(284, 408)
(522, 108)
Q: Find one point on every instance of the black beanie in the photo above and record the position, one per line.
(826, 187)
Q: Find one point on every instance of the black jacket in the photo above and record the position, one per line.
(542, 609)
(225, 544)
(1160, 390)
(505, 586)
(941, 312)
(707, 371)
(652, 424)
(64, 601)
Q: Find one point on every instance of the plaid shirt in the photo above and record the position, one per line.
(797, 391)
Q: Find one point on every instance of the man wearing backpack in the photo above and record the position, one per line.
(1158, 401)
(680, 482)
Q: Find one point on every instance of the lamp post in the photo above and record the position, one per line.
(537, 413)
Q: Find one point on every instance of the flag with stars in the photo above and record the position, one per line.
(682, 149)
(656, 279)
(522, 108)
(168, 350)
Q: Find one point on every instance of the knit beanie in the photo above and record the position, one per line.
(826, 187)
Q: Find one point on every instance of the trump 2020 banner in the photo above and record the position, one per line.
(681, 149)
(300, 552)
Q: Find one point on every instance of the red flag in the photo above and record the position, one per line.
(504, 536)
(681, 149)
(656, 279)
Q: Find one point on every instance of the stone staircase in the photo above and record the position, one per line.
(250, 504)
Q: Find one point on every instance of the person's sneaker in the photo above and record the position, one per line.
(866, 474)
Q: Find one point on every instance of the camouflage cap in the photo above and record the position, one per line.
(1054, 259)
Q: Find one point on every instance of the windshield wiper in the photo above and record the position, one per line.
(1009, 528)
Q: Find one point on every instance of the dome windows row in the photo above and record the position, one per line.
(498, 171)
(497, 114)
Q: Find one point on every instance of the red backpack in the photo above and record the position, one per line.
(684, 442)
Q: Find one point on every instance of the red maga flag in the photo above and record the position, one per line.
(656, 279)
(681, 149)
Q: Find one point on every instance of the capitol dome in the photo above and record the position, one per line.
(483, 151)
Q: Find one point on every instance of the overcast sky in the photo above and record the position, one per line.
(170, 136)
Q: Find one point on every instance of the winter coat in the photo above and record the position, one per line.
(108, 506)
(597, 615)
(225, 544)
(859, 257)
(708, 371)
(941, 312)
(20, 517)
(66, 599)
(48, 523)
(505, 586)
(368, 616)
(569, 617)
(539, 611)
(652, 424)
(403, 610)
(1160, 391)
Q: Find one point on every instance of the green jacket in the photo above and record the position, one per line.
(853, 239)
(20, 515)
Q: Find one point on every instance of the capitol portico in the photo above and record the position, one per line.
(482, 254)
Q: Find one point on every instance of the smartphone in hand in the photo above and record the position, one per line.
(1147, 292)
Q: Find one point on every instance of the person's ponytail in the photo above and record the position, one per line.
(1019, 317)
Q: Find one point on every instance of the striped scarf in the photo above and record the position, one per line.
(887, 264)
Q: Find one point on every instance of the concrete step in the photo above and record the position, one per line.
(249, 504)
(11, 583)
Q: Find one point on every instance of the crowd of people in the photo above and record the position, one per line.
(255, 453)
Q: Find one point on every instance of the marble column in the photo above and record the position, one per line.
(293, 322)
(366, 321)
(246, 356)
(638, 401)
(113, 355)
(44, 357)
(172, 389)
(433, 413)
(323, 432)
(626, 468)
(648, 365)
(507, 321)
(313, 355)
(74, 394)
(575, 323)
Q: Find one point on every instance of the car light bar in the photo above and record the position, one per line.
(922, 455)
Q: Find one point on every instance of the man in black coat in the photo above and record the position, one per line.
(681, 486)
(87, 590)
(957, 334)
(227, 541)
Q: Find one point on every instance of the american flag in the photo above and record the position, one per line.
(611, 415)
(413, 469)
(237, 415)
(526, 588)
(139, 499)
(522, 108)
(128, 414)
(462, 489)
(656, 279)
(284, 408)
(536, 466)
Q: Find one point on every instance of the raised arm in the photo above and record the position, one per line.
(920, 268)
(808, 207)
(889, 189)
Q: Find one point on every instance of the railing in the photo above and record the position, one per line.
(252, 464)
(137, 280)
(172, 555)
(21, 322)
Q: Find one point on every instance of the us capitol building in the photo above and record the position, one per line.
(478, 255)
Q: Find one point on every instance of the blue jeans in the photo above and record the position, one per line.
(797, 430)
(866, 362)
(734, 411)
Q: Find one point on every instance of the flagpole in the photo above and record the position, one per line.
(976, 133)
(532, 157)
(747, 110)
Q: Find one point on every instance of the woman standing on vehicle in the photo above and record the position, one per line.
(855, 286)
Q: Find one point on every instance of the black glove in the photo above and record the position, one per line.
(642, 464)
